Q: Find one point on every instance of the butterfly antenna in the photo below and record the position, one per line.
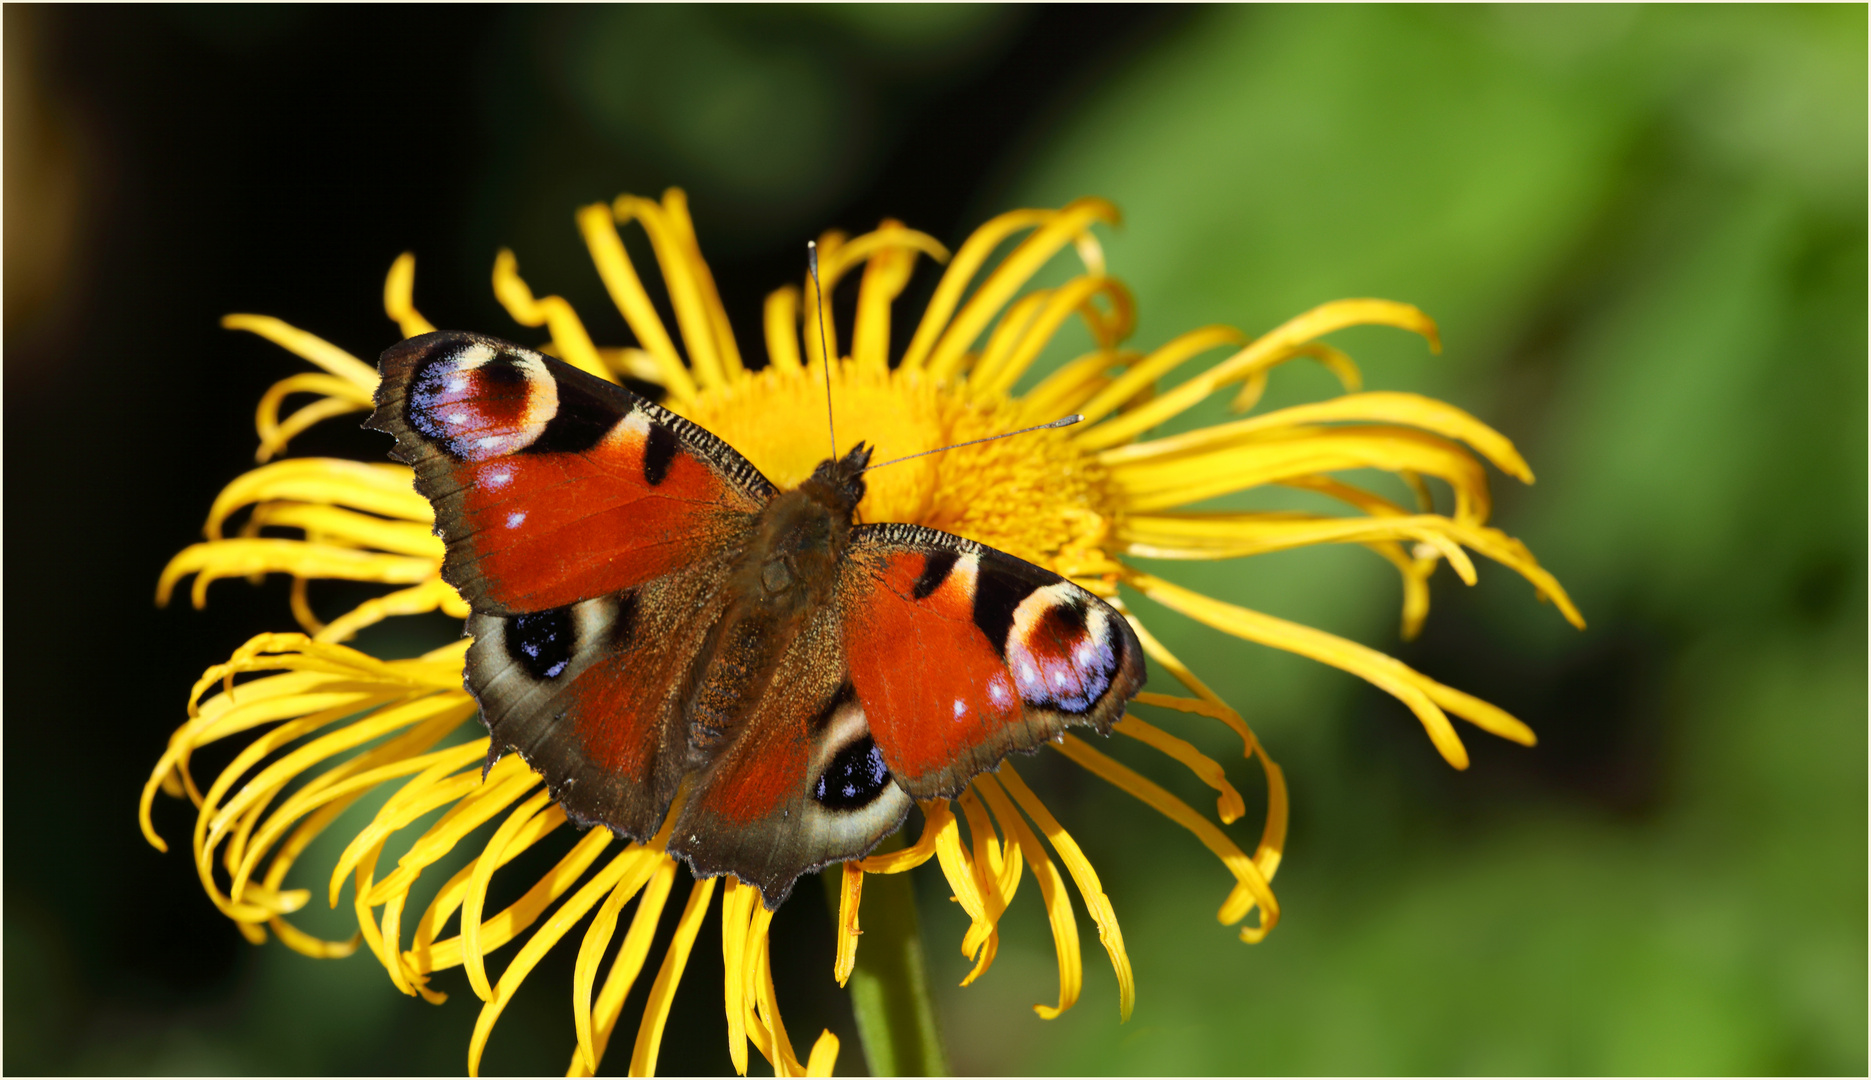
(818, 291)
(1064, 421)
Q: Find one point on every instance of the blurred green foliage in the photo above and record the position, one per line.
(1643, 234)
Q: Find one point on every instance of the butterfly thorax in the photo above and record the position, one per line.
(783, 578)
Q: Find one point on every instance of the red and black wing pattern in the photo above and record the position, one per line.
(961, 654)
(590, 531)
(552, 486)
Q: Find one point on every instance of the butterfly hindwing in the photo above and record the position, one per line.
(961, 654)
(589, 694)
(800, 784)
(552, 486)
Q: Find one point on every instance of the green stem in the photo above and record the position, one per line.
(890, 984)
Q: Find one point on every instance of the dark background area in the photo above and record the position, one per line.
(1643, 232)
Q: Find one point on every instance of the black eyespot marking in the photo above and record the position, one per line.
(936, 568)
(659, 453)
(854, 779)
(501, 375)
(542, 643)
(998, 590)
(846, 695)
(583, 418)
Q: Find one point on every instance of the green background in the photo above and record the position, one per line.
(1642, 231)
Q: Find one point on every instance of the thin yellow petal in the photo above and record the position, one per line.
(386, 489)
(737, 904)
(214, 560)
(685, 290)
(1332, 359)
(307, 347)
(1007, 335)
(937, 817)
(555, 313)
(1007, 278)
(663, 991)
(1217, 708)
(1234, 535)
(498, 790)
(885, 275)
(1229, 805)
(850, 896)
(633, 858)
(628, 964)
(997, 373)
(266, 415)
(399, 297)
(1052, 894)
(598, 223)
(1252, 888)
(511, 922)
(982, 941)
(967, 262)
(824, 1055)
(508, 840)
(432, 595)
(1384, 407)
(1384, 672)
(959, 869)
(1161, 361)
(1086, 878)
(591, 952)
(780, 1054)
(1300, 452)
(1066, 390)
(1269, 348)
(782, 327)
(336, 525)
(682, 227)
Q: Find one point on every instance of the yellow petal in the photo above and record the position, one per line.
(1252, 888)
(308, 347)
(1302, 452)
(1269, 348)
(1052, 894)
(1422, 694)
(1007, 278)
(389, 490)
(627, 966)
(1391, 408)
(555, 313)
(1089, 888)
(598, 223)
(399, 297)
(663, 991)
(1229, 806)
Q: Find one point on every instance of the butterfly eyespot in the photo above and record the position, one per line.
(542, 643)
(854, 779)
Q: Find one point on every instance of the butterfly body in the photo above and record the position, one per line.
(651, 616)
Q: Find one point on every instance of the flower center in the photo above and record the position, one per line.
(1034, 495)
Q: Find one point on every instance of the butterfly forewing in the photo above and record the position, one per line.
(552, 486)
(962, 654)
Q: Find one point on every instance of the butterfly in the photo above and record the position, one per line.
(651, 616)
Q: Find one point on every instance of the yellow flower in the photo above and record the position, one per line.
(340, 724)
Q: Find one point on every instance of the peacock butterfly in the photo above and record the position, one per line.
(648, 610)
